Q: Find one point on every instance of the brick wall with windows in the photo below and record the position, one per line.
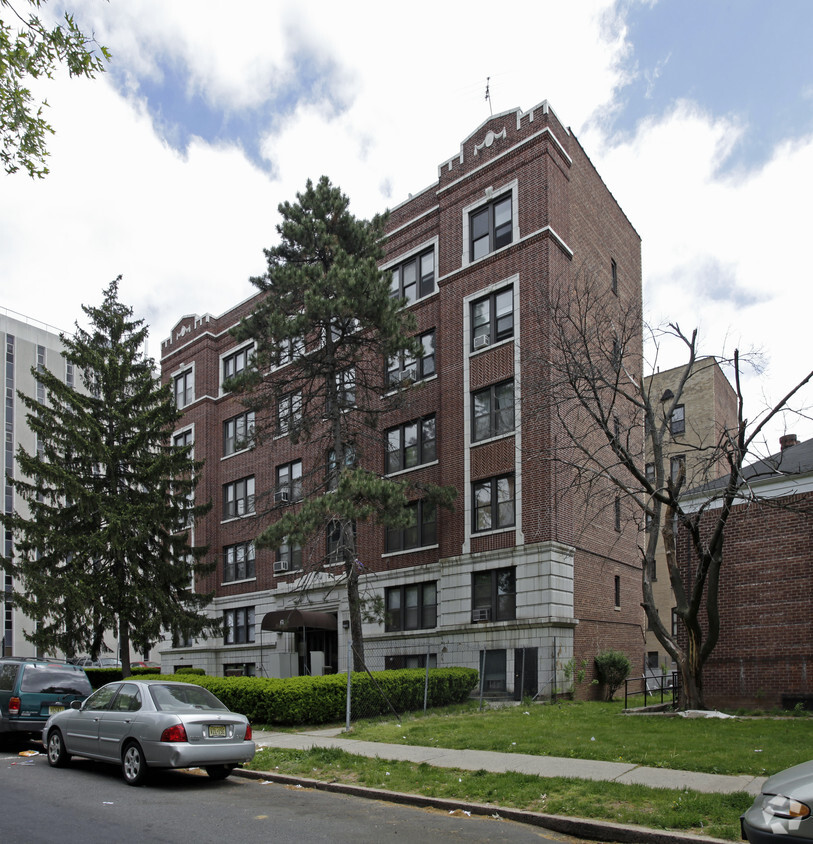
(511, 219)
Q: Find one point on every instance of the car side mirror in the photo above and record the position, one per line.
(76, 704)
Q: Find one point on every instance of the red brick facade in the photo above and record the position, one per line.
(563, 220)
(766, 605)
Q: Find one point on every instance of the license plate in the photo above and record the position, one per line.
(217, 731)
(52, 710)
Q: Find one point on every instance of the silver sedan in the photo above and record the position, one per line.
(142, 724)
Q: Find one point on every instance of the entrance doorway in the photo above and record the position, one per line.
(526, 673)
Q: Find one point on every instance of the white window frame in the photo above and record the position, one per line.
(491, 193)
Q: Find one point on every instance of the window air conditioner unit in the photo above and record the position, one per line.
(280, 566)
(281, 496)
(481, 614)
(481, 340)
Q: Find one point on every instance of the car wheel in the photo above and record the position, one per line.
(219, 772)
(57, 754)
(133, 765)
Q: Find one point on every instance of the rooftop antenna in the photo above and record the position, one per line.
(488, 96)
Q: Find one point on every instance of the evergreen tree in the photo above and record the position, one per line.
(322, 334)
(105, 544)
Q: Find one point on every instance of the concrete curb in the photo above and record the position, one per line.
(580, 827)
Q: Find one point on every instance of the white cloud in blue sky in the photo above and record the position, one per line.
(169, 169)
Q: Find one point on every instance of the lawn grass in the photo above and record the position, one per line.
(591, 730)
(709, 814)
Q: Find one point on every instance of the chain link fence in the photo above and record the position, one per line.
(506, 673)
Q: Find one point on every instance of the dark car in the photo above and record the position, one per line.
(32, 690)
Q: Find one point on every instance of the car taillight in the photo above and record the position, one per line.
(14, 706)
(248, 732)
(176, 733)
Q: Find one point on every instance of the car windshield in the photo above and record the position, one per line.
(177, 698)
(55, 679)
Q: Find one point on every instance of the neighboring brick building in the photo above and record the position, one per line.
(763, 656)
(708, 408)
(517, 571)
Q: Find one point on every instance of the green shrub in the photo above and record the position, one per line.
(188, 669)
(612, 668)
(320, 700)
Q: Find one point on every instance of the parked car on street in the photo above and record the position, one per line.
(143, 724)
(781, 813)
(32, 689)
(86, 662)
(145, 664)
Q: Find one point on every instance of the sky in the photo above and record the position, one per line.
(168, 169)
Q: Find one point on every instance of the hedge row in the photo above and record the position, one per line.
(320, 700)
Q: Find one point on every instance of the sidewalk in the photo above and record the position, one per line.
(543, 766)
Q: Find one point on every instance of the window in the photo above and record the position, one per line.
(652, 568)
(650, 473)
(415, 278)
(288, 558)
(238, 626)
(183, 439)
(421, 530)
(332, 468)
(617, 513)
(239, 669)
(184, 388)
(614, 276)
(289, 349)
(396, 661)
(412, 607)
(238, 433)
(335, 546)
(411, 444)
(493, 595)
(289, 412)
(678, 424)
(618, 592)
(237, 362)
(492, 411)
(406, 368)
(492, 318)
(674, 621)
(289, 482)
(238, 562)
(677, 467)
(345, 389)
(491, 227)
(493, 502)
(238, 498)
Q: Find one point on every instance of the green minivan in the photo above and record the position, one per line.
(33, 689)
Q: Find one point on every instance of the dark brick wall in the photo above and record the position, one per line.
(766, 605)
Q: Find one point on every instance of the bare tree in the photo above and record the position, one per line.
(616, 433)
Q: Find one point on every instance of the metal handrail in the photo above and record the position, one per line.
(667, 684)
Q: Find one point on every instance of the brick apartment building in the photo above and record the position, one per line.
(708, 408)
(518, 578)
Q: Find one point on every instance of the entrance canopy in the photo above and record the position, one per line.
(286, 621)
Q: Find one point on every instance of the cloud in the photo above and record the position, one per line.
(169, 169)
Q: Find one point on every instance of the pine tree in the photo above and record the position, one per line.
(105, 544)
(325, 329)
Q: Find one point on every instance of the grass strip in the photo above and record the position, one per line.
(591, 730)
(687, 811)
